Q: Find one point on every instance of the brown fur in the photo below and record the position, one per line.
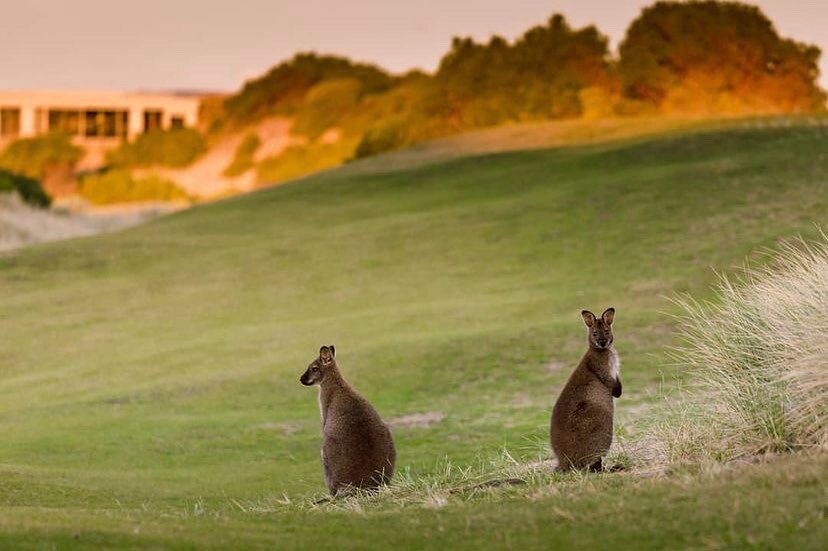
(357, 448)
(582, 420)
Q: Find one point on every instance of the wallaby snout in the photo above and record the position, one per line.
(315, 373)
(310, 376)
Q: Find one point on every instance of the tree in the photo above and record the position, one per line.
(286, 84)
(540, 75)
(716, 56)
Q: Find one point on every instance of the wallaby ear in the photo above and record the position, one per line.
(608, 315)
(589, 317)
(333, 350)
(325, 354)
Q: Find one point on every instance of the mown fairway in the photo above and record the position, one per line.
(149, 379)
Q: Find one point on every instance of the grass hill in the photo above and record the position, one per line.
(149, 391)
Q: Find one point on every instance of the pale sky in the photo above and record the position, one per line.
(216, 45)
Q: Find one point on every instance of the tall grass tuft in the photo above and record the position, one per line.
(759, 359)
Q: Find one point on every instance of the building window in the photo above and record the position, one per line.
(106, 124)
(9, 122)
(177, 121)
(122, 124)
(152, 120)
(66, 122)
(92, 124)
(109, 126)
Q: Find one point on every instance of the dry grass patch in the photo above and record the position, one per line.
(758, 356)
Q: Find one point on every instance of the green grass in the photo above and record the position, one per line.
(149, 378)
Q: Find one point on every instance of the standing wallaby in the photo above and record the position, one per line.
(357, 448)
(581, 427)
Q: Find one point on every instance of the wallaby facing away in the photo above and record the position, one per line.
(581, 427)
(357, 448)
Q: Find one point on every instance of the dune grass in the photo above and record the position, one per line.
(149, 391)
(757, 357)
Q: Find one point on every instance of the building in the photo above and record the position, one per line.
(93, 115)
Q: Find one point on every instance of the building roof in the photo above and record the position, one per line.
(98, 99)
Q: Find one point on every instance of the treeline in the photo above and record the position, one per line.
(703, 57)
(677, 58)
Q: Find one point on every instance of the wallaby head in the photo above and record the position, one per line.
(599, 330)
(320, 367)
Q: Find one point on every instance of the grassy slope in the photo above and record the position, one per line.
(149, 376)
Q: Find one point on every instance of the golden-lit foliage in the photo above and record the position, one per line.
(33, 157)
(717, 58)
(698, 58)
(296, 161)
(176, 147)
(119, 186)
(243, 159)
(285, 86)
(538, 76)
(694, 58)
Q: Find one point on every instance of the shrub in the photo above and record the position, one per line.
(298, 161)
(385, 136)
(33, 156)
(284, 86)
(325, 105)
(177, 147)
(415, 111)
(758, 357)
(118, 186)
(243, 159)
(27, 188)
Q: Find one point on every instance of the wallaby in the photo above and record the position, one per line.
(582, 420)
(357, 448)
